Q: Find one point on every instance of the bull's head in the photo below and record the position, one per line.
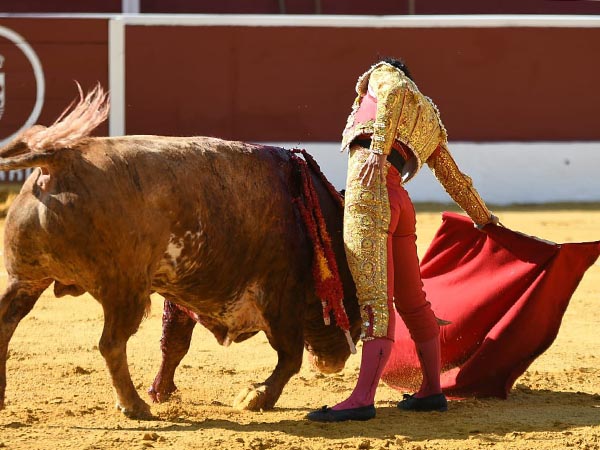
(327, 346)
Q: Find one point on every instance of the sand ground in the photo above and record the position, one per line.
(59, 394)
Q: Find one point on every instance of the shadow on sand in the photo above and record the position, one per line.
(525, 411)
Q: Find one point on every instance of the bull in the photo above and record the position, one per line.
(208, 224)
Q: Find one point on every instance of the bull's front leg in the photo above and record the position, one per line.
(122, 317)
(15, 303)
(286, 338)
(174, 344)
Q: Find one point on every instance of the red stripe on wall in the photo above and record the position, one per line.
(60, 6)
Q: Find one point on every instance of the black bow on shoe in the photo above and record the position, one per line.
(435, 402)
(326, 414)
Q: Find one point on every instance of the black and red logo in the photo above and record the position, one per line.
(22, 85)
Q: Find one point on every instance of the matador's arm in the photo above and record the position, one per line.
(459, 186)
(387, 85)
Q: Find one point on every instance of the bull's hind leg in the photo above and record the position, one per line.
(174, 343)
(286, 338)
(122, 317)
(15, 303)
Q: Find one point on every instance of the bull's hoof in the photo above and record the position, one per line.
(160, 395)
(140, 411)
(253, 398)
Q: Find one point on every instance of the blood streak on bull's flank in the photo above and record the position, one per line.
(36, 65)
(2, 87)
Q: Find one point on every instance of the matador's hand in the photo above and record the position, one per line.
(494, 220)
(373, 167)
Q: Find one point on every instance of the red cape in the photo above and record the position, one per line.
(505, 294)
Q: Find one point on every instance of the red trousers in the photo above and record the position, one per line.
(405, 288)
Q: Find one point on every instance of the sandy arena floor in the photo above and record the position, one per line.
(59, 394)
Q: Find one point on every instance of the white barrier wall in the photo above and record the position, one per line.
(251, 78)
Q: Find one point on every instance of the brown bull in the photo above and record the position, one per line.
(208, 224)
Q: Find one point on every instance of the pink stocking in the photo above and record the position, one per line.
(375, 354)
(430, 358)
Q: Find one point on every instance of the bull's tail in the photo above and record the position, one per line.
(38, 146)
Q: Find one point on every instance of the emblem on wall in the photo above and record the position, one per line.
(22, 90)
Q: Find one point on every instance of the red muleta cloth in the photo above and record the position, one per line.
(505, 294)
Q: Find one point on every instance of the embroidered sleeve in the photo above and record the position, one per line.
(458, 185)
(386, 83)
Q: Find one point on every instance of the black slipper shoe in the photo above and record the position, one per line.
(435, 402)
(326, 414)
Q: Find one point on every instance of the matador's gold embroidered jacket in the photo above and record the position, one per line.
(406, 115)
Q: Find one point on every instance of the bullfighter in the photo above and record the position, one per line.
(392, 131)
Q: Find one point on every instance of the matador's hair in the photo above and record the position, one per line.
(398, 64)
